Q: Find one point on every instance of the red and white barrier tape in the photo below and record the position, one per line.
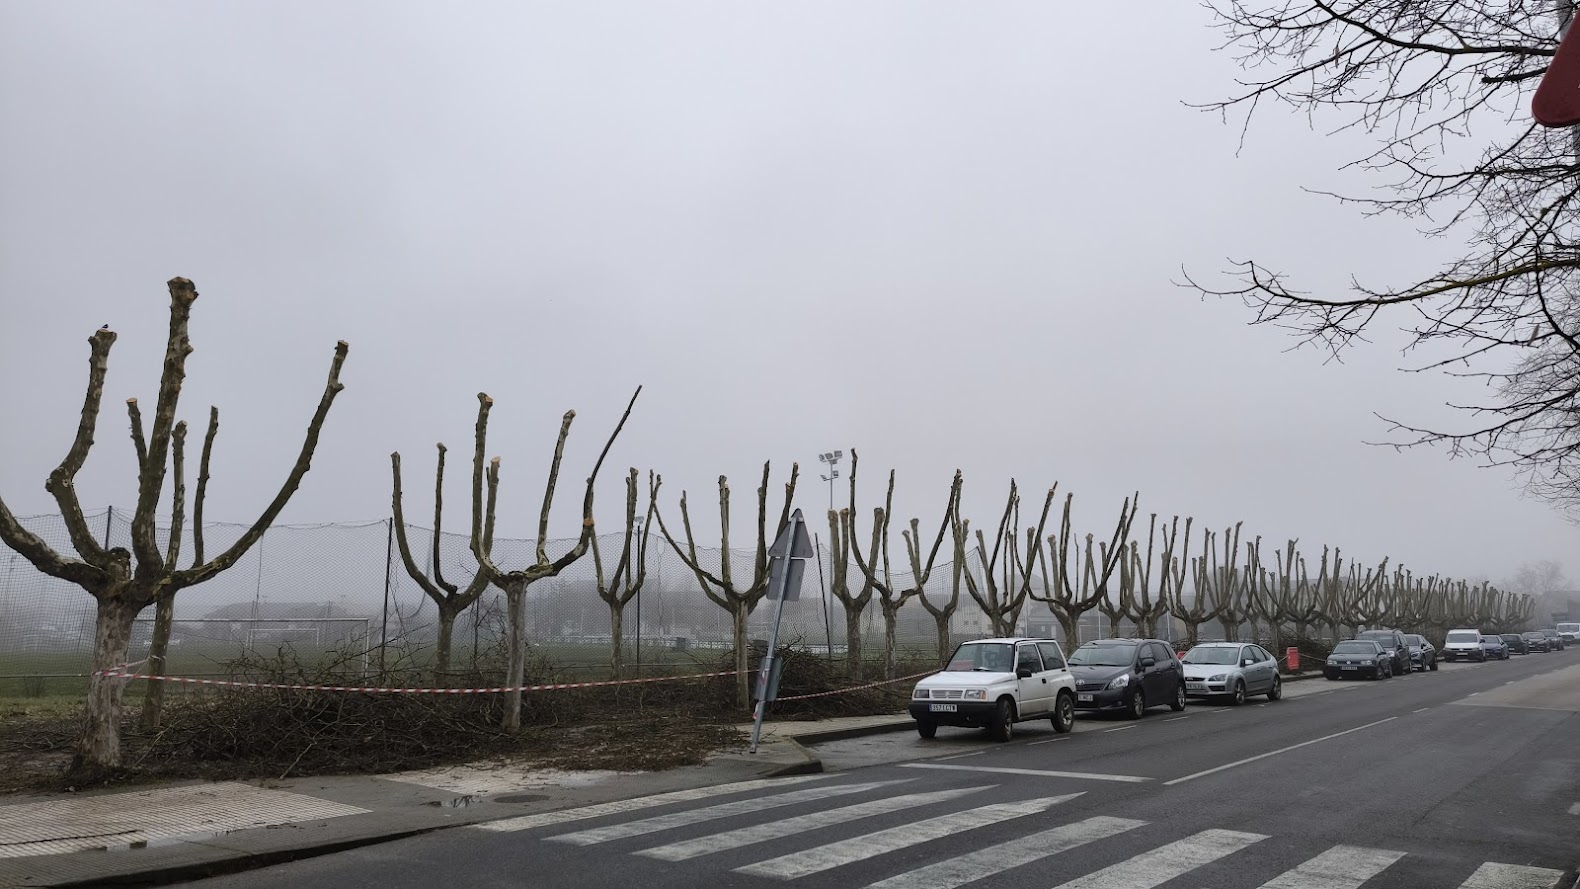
(230, 683)
(822, 694)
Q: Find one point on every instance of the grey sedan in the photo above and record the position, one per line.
(1231, 669)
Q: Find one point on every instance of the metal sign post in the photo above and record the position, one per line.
(787, 563)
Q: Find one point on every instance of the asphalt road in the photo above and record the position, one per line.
(1466, 777)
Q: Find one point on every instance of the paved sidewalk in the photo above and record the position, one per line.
(174, 832)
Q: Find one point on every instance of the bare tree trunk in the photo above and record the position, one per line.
(441, 652)
(158, 650)
(945, 646)
(743, 687)
(1071, 624)
(853, 643)
(891, 619)
(516, 599)
(101, 739)
(617, 638)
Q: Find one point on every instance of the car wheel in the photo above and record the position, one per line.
(1178, 703)
(1064, 714)
(926, 729)
(1277, 691)
(1238, 697)
(1136, 705)
(1003, 728)
(1433, 665)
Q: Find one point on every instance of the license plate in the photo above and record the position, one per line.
(1350, 668)
(1195, 686)
(1083, 697)
(943, 708)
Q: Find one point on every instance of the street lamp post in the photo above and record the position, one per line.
(637, 534)
(831, 458)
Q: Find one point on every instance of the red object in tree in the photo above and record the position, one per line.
(1557, 100)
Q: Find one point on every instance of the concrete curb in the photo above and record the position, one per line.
(811, 764)
(839, 734)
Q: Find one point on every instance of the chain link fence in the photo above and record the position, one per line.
(342, 590)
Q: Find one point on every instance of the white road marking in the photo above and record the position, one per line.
(1422, 710)
(711, 813)
(822, 858)
(993, 860)
(1164, 863)
(1341, 867)
(1041, 773)
(1219, 710)
(1574, 809)
(1277, 752)
(1120, 729)
(1175, 718)
(773, 830)
(1049, 741)
(1473, 694)
(1512, 876)
(961, 755)
(620, 807)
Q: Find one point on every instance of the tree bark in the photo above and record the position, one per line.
(101, 738)
(617, 637)
(442, 646)
(743, 686)
(516, 602)
(945, 646)
(891, 619)
(853, 654)
(158, 649)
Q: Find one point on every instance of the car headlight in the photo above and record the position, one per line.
(1366, 663)
(975, 694)
(1333, 660)
(1218, 678)
(921, 693)
(1120, 681)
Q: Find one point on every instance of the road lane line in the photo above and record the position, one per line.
(1574, 809)
(1049, 741)
(620, 807)
(993, 860)
(773, 830)
(710, 813)
(1341, 867)
(1120, 729)
(1040, 773)
(1165, 863)
(962, 755)
(1281, 750)
(1512, 876)
(1219, 710)
(1422, 710)
(1175, 718)
(822, 858)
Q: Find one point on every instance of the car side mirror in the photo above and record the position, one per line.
(1149, 661)
(1247, 662)
(1023, 673)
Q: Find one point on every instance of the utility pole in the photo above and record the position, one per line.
(831, 458)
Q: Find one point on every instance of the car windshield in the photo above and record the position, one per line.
(1511, 637)
(1463, 636)
(1535, 636)
(1215, 654)
(1104, 656)
(1415, 640)
(1491, 640)
(1355, 648)
(1548, 633)
(1568, 628)
(991, 657)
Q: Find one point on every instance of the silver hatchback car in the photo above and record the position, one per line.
(1234, 670)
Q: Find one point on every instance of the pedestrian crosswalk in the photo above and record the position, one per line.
(900, 816)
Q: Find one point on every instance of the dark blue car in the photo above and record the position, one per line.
(1495, 648)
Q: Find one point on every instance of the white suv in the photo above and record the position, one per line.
(1463, 644)
(995, 683)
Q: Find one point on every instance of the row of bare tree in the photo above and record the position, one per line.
(1071, 576)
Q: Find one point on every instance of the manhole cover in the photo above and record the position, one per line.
(521, 798)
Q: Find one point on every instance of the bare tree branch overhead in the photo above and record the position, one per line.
(1426, 80)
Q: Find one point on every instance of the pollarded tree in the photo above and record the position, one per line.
(1002, 596)
(515, 582)
(890, 599)
(1212, 580)
(1067, 601)
(124, 582)
(726, 591)
(627, 581)
(449, 599)
(1135, 585)
(944, 612)
(855, 604)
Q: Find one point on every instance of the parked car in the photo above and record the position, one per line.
(1515, 642)
(1555, 639)
(1128, 675)
(1233, 670)
(1394, 643)
(1423, 654)
(1495, 647)
(1463, 645)
(1570, 633)
(995, 683)
(1358, 657)
(1536, 640)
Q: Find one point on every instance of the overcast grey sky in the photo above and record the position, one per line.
(941, 233)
